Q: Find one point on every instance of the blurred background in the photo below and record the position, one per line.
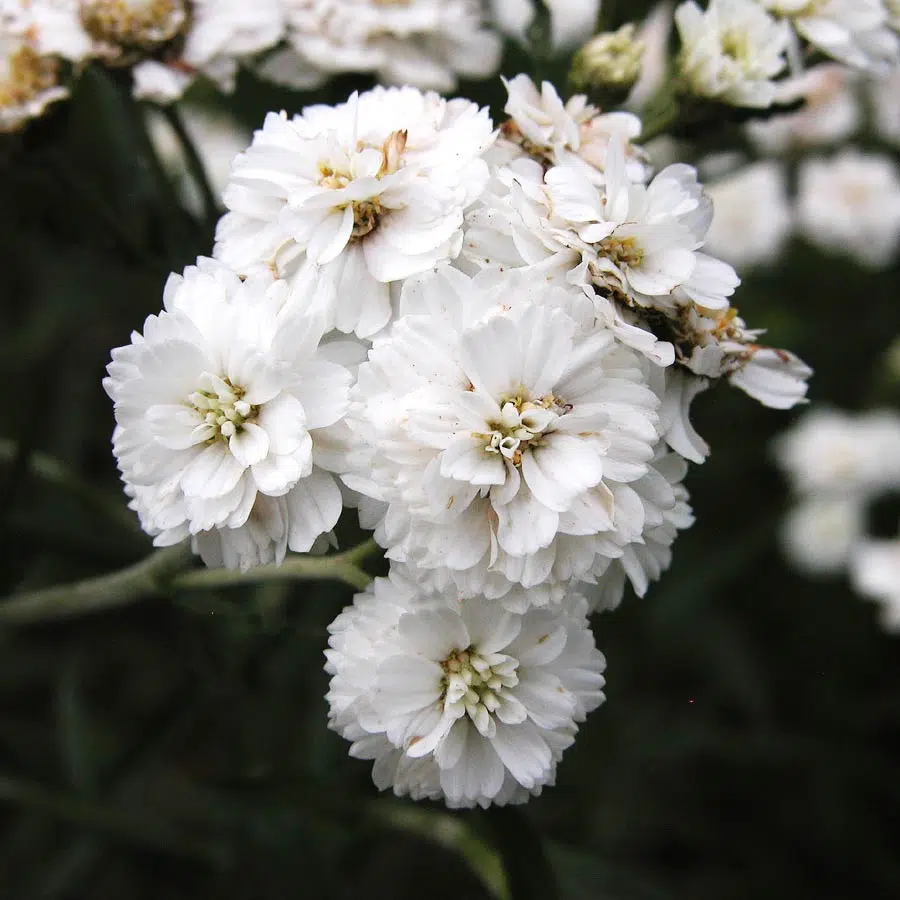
(177, 748)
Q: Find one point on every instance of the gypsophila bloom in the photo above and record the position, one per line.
(731, 52)
(855, 32)
(875, 572)
(220, 407)
(367, 193)
(830, 111)
(457, 699)
(221, 35)
(424, 43)
(753, 216)
(850, 204)
(502, 418)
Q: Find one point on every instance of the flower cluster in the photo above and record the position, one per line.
(839, 464)
(491, 339)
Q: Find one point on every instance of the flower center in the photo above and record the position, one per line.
(522, 423)
(735, 44)
(26, 73)
(133, 23)
(221, 407)
(622, 251)
(368, 212)
(475, 685)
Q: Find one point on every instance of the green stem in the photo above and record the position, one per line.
(163, 572)
(195, 164)
(132, 829)
(528, 871)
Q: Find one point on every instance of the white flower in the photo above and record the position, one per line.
(821, 532)
(830, 112)
(752, 218)
(851, 204)
(458, 699)
(643, 243)
(424, 43)
(875, 571)
(220, 405)
(371, 191)
(503, 418)
(829, 451)
(731, 52)
(222, 34)
(54, 26)
(552, 132)
(119, 27)
(855, 32)
(218, 137)
(572, 22)
(29, 82)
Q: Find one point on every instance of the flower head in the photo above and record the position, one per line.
(457, 699)
(218, 404)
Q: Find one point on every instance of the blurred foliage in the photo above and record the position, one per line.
(750, 743)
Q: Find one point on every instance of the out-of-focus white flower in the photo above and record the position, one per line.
(752, 217)
(54, 27)
(370, 192)
(829, 451)
(830, 112)
(218, 137)
(855, 32)
(457, 699)
(503, 418)
(609, 63)
(884, 93)
(548, 130)
(424, 43)
(222, 34)
(218, 408)
(119, 27)
(821, 532)
(731, 52)
(851, 204)
(875, 570)
(571, 21)
(29, 82)
(654, 36)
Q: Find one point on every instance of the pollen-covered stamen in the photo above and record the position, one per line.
(134, 23)
(24, 74)
(221, 408)
(522, 423)
(477, 685)
(622, 251)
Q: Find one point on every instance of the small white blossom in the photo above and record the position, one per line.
(829, 451)
(221, 35)
(423, 43)
(830, 111)
(220, 405)
(731, 52)
(552, 132)
(854, 32)
(753, 217)
(821, 532)
(368, 193)
(457, 699)
(503, 418)
(875, 571)
(850, 204)
(885, 108)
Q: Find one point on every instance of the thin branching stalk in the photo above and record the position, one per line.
(195, 164)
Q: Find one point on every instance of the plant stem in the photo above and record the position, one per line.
(163, 572)
(528, 871)
(195, 164)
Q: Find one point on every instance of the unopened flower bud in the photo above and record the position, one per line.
(608, 65)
